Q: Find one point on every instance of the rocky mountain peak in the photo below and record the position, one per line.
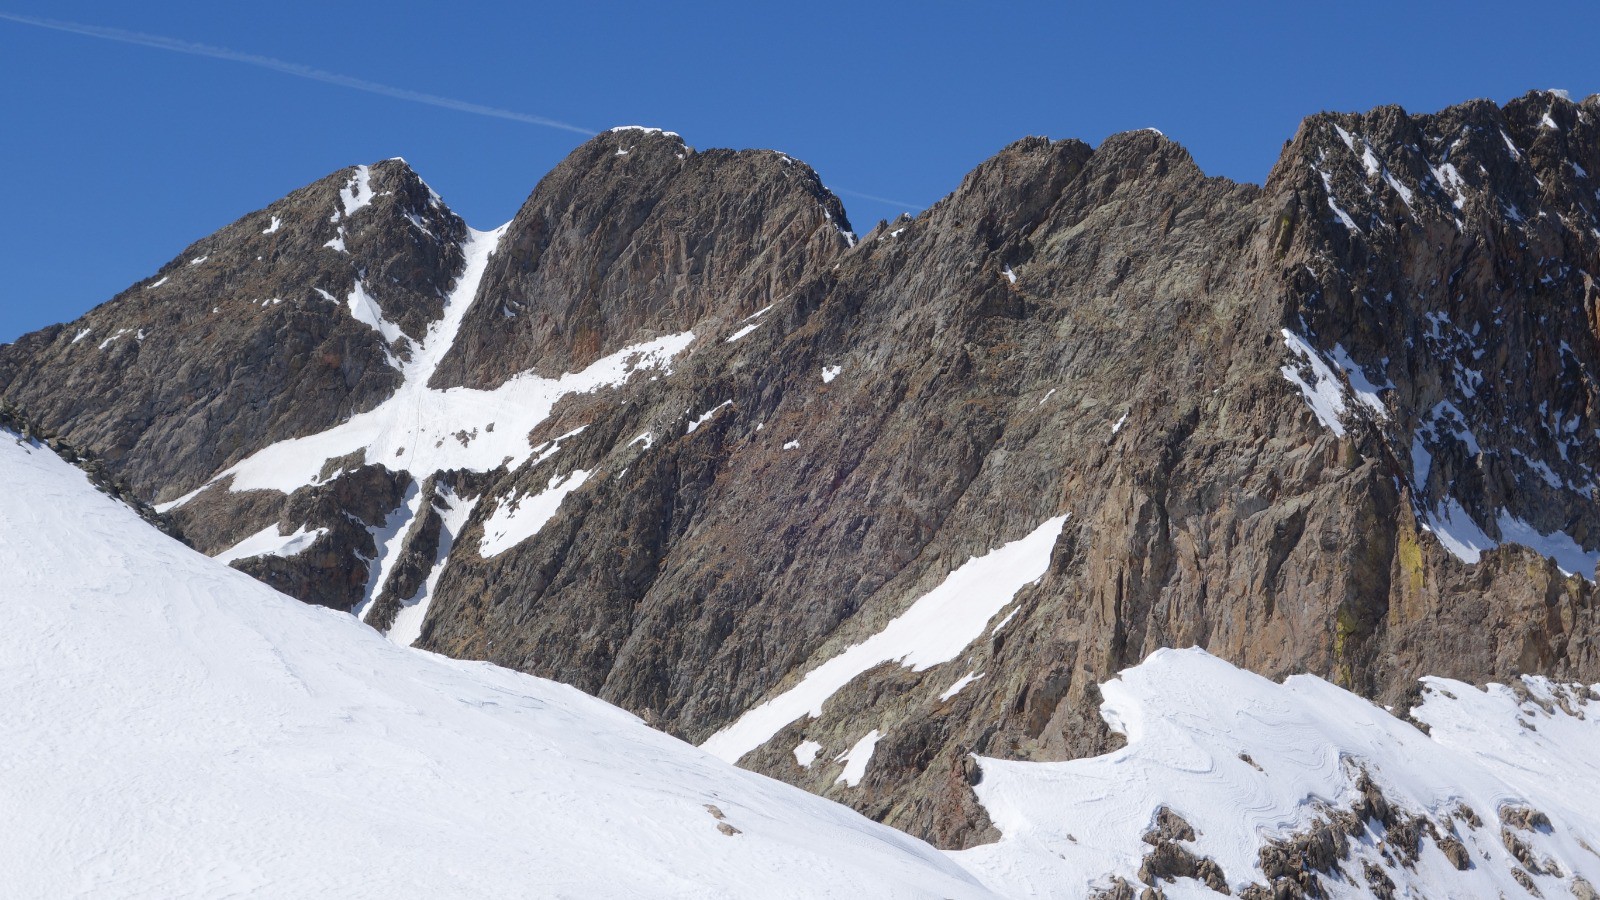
(634, 236)
(284, 322)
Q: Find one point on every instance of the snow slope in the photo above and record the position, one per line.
(1243, 758)
(174, 728)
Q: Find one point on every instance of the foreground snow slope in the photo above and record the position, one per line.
(174, 728)
(1244, 759)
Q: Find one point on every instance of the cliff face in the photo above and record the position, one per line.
(687, 446)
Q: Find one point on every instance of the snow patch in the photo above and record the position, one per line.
(357, 192)
(269, 542)
(517, 519)
(829, 373)
(707, 416)
(453, 515)
(388, 539)
(961, 682)
(805, 753)
(364, 308)
(934, 629)
(1323, 392)
(856, 758)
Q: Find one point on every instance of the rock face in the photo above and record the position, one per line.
(1312, 426)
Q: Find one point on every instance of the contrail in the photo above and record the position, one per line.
(287, 68)
(900, 203)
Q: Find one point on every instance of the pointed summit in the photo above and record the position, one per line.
(280, 324)
(636, 235)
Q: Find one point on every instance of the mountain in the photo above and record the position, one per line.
(860, 513)
(198, 733)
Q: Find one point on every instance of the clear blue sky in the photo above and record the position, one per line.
(117, 155)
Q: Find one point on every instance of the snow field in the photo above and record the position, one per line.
(175, 728)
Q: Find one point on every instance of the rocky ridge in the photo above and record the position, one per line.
(1312, 426)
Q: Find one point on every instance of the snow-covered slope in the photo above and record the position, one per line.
(174, 728)
(1499, 796)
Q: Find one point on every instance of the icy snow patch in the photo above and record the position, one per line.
(1366, 391)
(805, 753)
(157, 283)
(107, 342)
(792, 445)
(707, 417)
(961, 682)
(1453, 526)
(81, 335)
(1451, 181)
(269, 542)
(516, 519)
(1327, 184)
(934, 629)
(1324, 393)
(1010, 275)
(1570, 556)
(276, 224)
(642, 128)
(357, 192)
(751, 326)
(364, 308)
(829, 373)
(856, 758)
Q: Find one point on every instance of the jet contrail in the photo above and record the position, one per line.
(287, 68)
(900, 203)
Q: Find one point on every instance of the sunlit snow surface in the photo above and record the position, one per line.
(174, 728)
(1190, 720)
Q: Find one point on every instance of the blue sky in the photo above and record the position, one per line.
(117, 155)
